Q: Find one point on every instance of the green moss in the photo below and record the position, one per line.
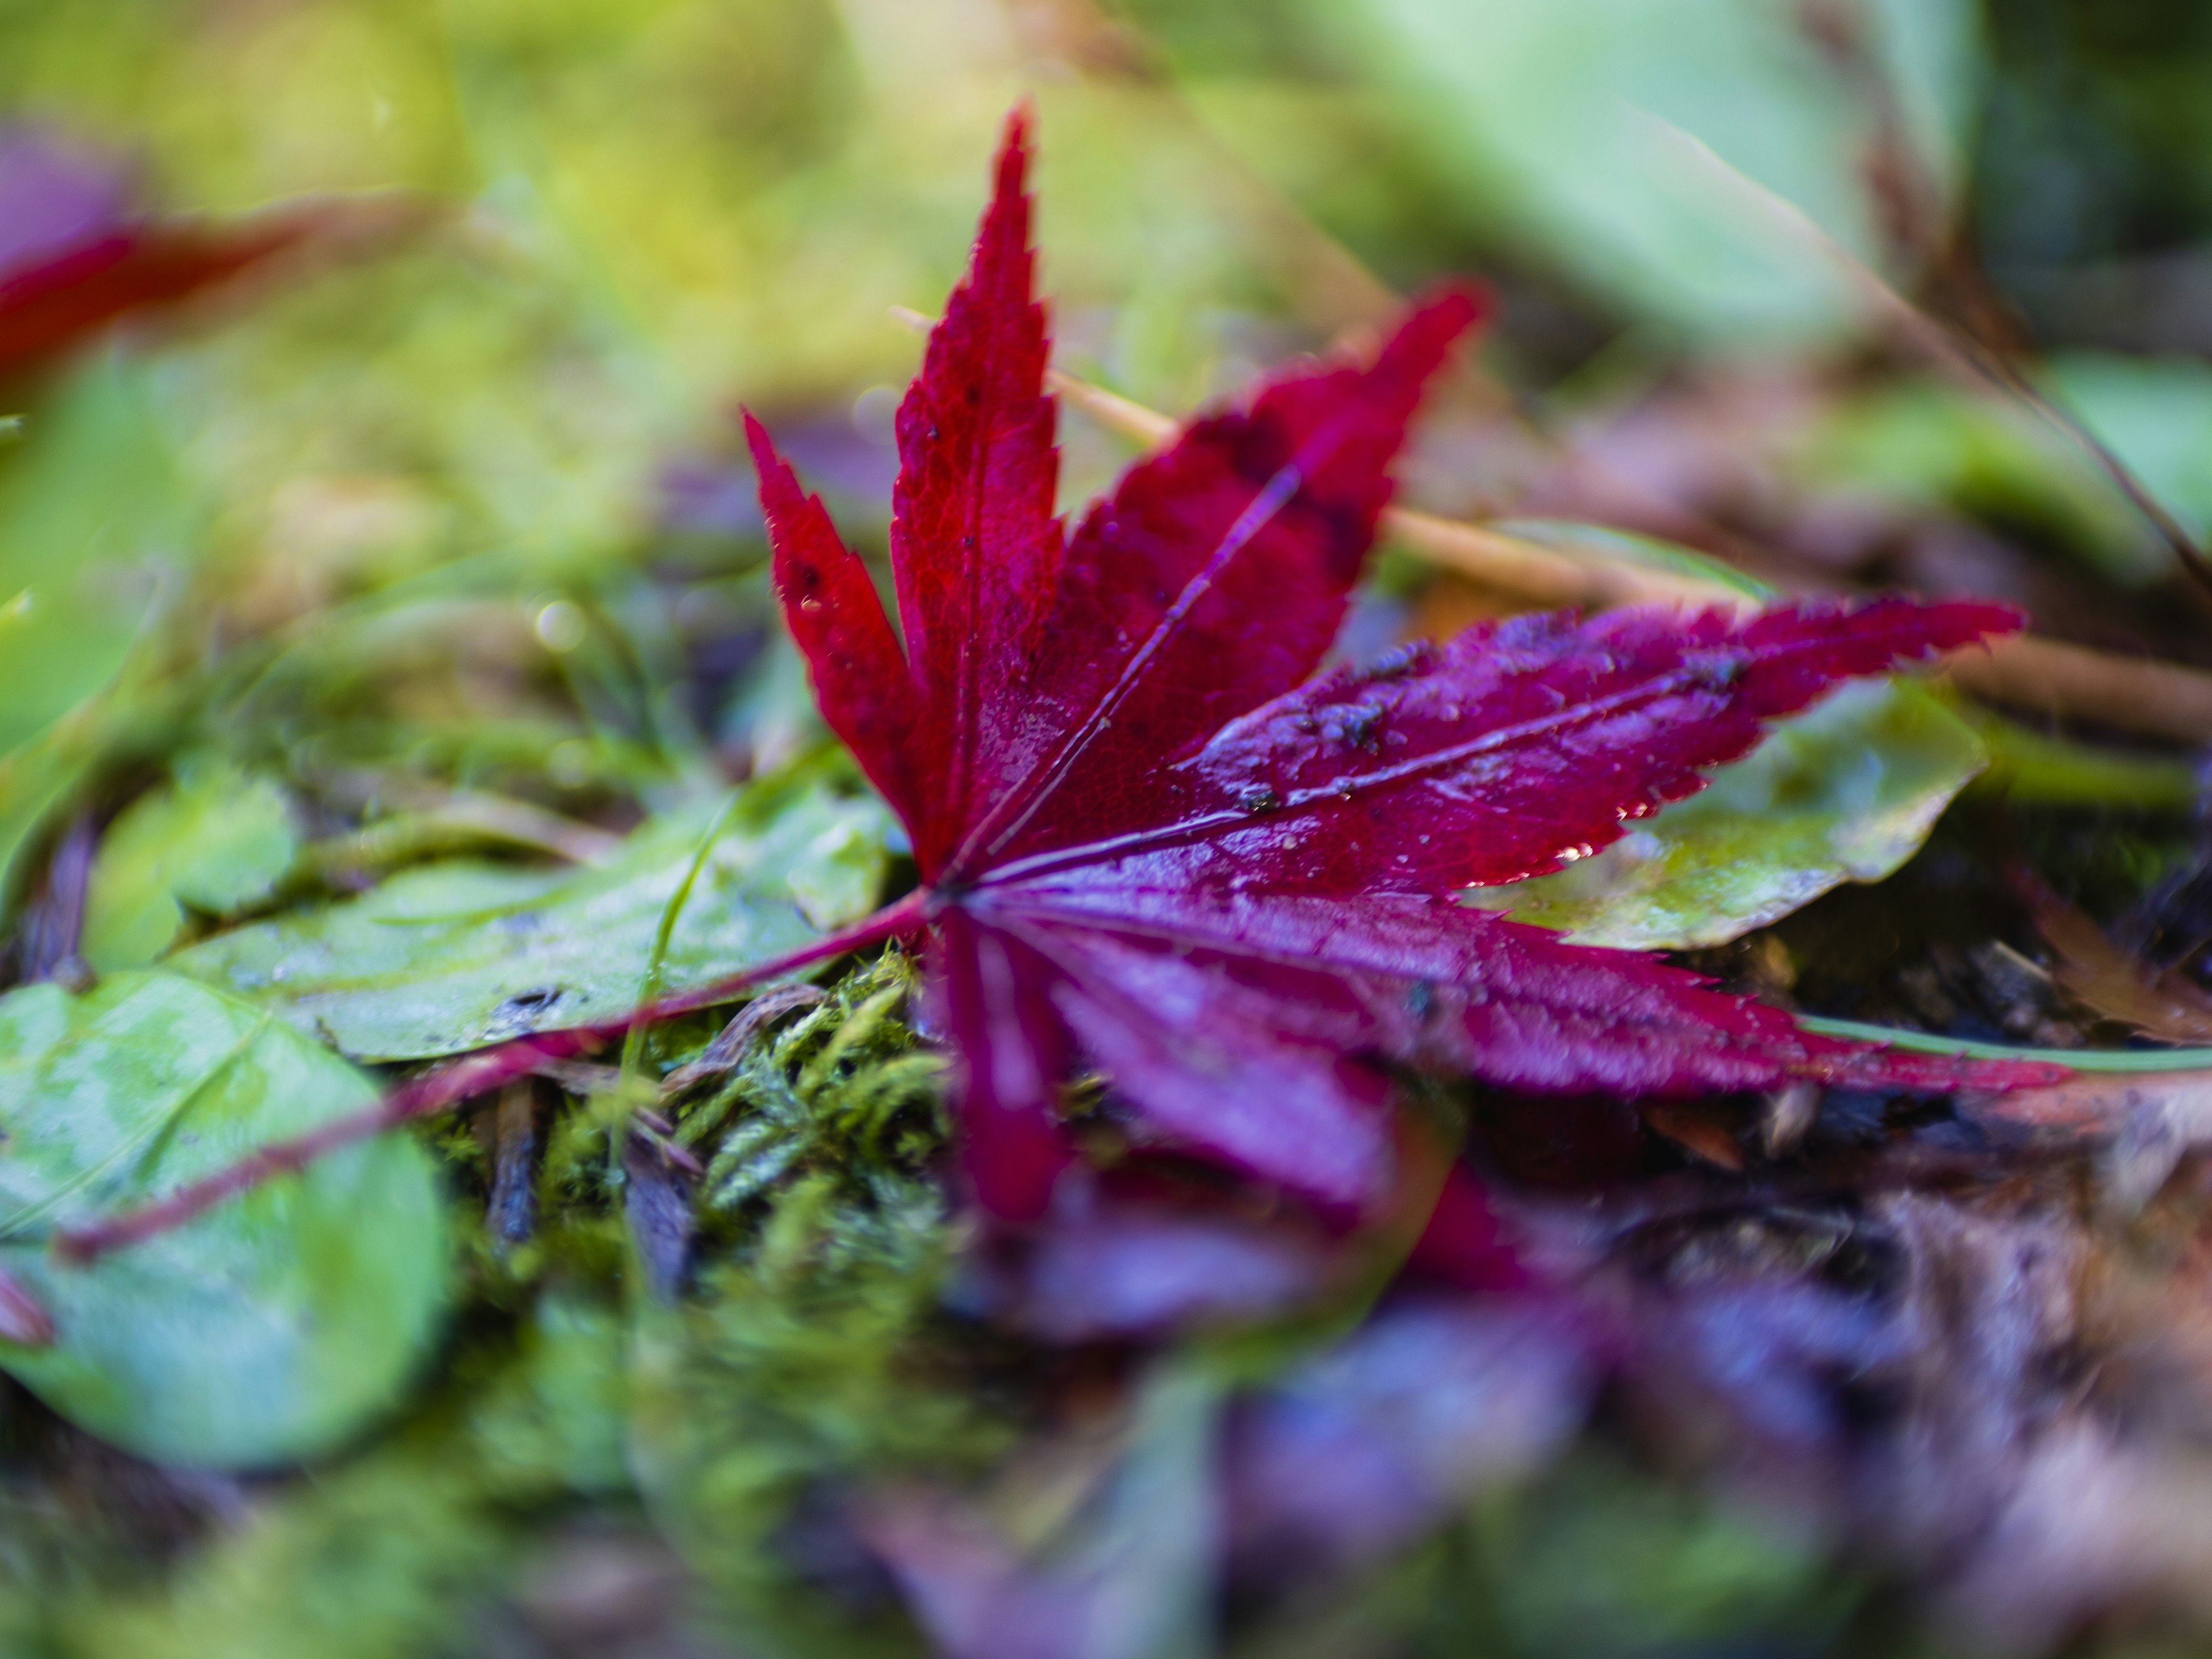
(814, 1352)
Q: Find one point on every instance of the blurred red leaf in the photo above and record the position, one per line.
(77, 258)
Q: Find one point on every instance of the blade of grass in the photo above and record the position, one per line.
(2080, 1059)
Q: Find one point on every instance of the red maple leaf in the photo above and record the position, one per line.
(1150, 834)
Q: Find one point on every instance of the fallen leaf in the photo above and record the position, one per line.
(77, 257)
(214, 841)
(1146, 835)
(2108, 981)
(450, 957)
(263, 1333)
(1846, 792)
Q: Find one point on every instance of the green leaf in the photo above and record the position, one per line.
(269, 1330)
(1844, 792)
(2156, 414)
(1581, 118)
(393, 1550)
(2028, 766)
(454, 956)
(214, 841)
(89, 509)
(1924, 444)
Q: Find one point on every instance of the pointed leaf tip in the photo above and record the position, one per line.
(762, 448)
(1438, 319)
(1012, 162)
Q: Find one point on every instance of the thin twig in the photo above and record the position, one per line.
(730, 1044)
(511, 1212)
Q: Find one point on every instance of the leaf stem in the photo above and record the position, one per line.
(449, 1085)
(158, 1124)
(2079, 1060)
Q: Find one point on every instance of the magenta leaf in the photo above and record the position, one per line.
(1154, 841)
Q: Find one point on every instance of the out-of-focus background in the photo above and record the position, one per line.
(442, 525)
(657, 208)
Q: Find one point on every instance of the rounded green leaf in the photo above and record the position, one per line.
(268, 1329)
(216, 840)
(1845, 792)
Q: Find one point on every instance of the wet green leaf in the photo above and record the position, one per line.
(214, 841)
(395, 1549)
(92, 515)
(273, 1327)
(1846, 793)
(457, 954)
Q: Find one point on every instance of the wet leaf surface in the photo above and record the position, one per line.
(450, 957)
(271, 1331)
(1846, 793)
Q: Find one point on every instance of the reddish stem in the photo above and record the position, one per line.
(449, 1085)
